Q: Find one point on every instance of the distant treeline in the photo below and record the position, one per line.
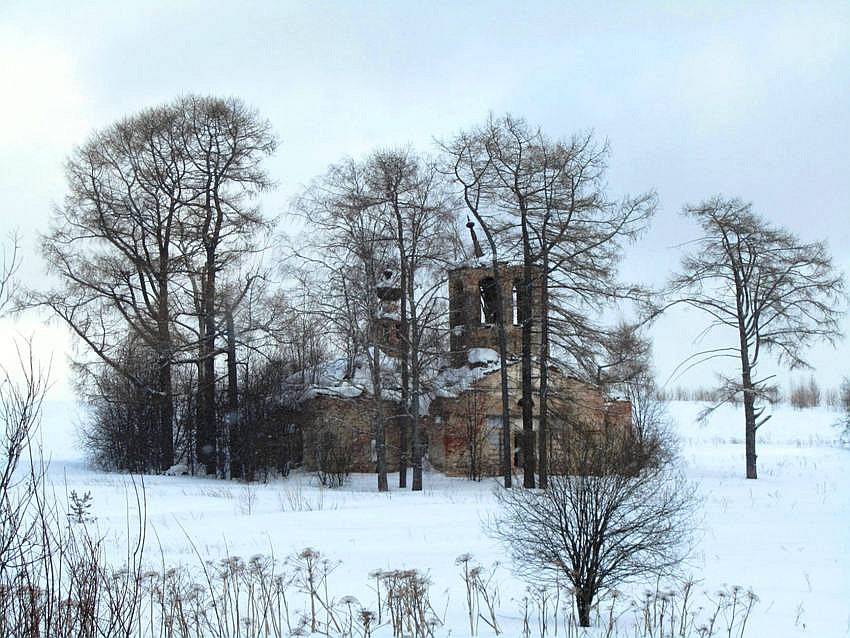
(800, 394)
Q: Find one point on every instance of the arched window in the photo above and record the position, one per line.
(489, 300)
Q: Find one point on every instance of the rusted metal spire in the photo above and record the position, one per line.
(476, 247)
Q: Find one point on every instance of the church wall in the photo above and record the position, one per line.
(469, 426)
(349, 420)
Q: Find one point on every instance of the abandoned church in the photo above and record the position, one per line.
(460, 409)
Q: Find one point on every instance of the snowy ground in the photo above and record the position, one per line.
(786, 535)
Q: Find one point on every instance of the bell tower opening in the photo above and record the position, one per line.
(489, 295)
(475, 292)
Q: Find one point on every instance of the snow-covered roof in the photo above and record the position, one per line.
(452, 382)
(479, 356)
(330, 379)
(483, 262)
(473, 262)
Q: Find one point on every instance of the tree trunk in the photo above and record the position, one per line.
(236, 439)
(206, 448)
(403, 429)
(526, 309)
(378, 422)
(503, 379)
(415, 342)
(584, 603)
(204, 436)
(750, 425)
(406, 418)
(166, 414)
(416, 430)
(749, 391)
(503, 352)
(543, 410)
(166, 390)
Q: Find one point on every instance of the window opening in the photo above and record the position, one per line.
(519, 301)
(489, 300)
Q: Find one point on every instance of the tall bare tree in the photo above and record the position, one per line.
(349, 243)
(385, 216)
(766, 289)
(225, 143)
(468, 163)
(157, 202)
(579, 233)
(414, 200)
(111, 245)
(390, 178)
(512, 186)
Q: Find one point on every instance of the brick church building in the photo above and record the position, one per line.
(461, 412)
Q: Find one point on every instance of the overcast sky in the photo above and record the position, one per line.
(694, 99)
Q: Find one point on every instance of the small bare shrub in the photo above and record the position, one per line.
(293, 498)
(408, 603)
(248, 498)
(634, 523)
(333, 457)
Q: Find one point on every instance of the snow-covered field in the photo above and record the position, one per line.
(786, 535)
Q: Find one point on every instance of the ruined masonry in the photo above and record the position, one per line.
(461, 419)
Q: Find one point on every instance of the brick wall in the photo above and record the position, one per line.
(350, 420)
(465, 431)
(468, 330)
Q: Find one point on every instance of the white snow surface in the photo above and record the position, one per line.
(785, 535)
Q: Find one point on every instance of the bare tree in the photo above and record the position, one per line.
(391, 176)
(225, 143)
(512, 187)
(477, 432)
(349, 245)
(771, 291)
(571, 236)
(158, 206)
(112, 247)
(626, 369)
(414, 201)
(600, 527)
(381, 231)
(468, 162)
(546, 202)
